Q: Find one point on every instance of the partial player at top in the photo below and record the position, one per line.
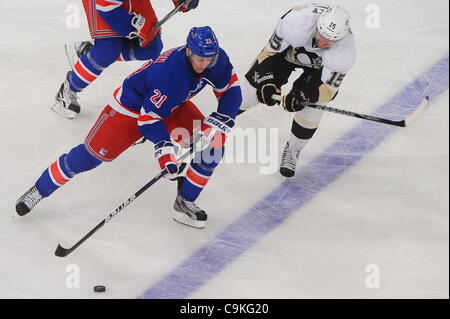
(123, 30)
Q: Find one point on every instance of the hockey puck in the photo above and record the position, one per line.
(99, 288)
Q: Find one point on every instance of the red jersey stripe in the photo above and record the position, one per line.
(219, 92)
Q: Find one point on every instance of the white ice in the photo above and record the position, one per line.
(389, 210)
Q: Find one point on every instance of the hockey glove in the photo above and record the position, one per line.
(264, 92)
(165, 155)
(215, 130)
(145, 30)
(188, 4)
(293, 102)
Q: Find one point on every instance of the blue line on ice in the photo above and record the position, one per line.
(289, 197)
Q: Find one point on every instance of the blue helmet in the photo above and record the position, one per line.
(202, 41)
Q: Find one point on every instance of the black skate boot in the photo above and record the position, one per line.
(288, 161)
(27, 201)
(66, 103)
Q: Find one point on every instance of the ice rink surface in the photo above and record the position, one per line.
(365, 217)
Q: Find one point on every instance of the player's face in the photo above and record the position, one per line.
(322, 42)
(199, 64)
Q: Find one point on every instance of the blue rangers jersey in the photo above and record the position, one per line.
(153, 91)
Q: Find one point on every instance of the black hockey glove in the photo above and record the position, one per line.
(264, 93)
(293, 102)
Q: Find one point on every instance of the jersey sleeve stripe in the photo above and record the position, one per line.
(234, 81)
(119, 107)
(148, 118)
(144, 120)
(146, 65)
(151, 114)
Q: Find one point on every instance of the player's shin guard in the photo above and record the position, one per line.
(85, 71)
(62, 170)
(200, 171)
(90, 65)
(300, 136)
(54, 176)
(202, 166)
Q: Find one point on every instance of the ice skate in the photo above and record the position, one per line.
(76, 50)
(66, 103)
(188, 213)
(288, 161)
(27, 201)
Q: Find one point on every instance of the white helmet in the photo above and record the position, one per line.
(334, 23)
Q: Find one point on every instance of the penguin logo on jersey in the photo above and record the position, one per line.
(302, 57)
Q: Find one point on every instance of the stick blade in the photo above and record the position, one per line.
(61, 251)
(417, 112)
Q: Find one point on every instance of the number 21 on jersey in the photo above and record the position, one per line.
(158, 99)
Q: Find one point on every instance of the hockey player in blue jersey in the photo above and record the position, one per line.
(151, 101)
(123, 30)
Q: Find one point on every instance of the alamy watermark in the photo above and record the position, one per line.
(73, 277)
(73, 16)
(254, 146)
(373, 19)
(373, 279)
(257, 146)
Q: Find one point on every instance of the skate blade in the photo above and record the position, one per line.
(185, 220)
(63, 111)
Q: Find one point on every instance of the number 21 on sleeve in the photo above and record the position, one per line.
(158, 99)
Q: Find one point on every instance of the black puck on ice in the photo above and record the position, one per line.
(99, 288)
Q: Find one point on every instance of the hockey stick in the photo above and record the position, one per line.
(63, 252)
(169, 15)
(401, 123)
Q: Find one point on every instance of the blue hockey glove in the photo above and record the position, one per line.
(165, 155)
(215, 130)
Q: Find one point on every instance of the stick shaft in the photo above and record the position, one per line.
(169, 15)
(401, 123)
(62, 252)
(357, 115)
